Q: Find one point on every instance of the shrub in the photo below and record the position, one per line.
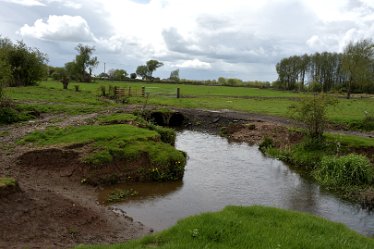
(313, 113)
(266, 144)
(346, 170)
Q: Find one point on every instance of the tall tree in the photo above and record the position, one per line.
(81, 68)
(152, 65)
(174, 75)
(142, 71)
(358, 64)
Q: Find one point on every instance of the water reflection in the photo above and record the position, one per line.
(219, 173)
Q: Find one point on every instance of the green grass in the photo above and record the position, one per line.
(89, 134)
(351, 141)
(349, 170)
(7, 181)
(117, 117)
(49, 97)
(251, 228)
(119, 143)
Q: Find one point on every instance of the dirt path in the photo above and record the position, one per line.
(230, 116)
(54, 211)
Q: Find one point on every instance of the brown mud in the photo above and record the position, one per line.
(54, 210)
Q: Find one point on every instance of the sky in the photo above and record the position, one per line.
(204, 39)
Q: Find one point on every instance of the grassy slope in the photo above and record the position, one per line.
(87, 134)
(251, 228)
(351, 141)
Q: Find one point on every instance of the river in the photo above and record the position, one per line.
(219, 173)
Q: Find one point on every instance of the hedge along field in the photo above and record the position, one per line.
(245, 99)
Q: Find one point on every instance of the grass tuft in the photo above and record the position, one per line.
(253, 227)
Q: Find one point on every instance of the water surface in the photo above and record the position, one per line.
(219, 173)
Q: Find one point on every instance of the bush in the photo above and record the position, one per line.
(313, 113)
(267, 143)
(346, 170)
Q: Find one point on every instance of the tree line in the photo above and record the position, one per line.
(350, 71)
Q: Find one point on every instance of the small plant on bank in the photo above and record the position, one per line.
(346, 170)
(313, 113)
(266, 144)
(121, 194)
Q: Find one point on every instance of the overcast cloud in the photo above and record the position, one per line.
(205, 39)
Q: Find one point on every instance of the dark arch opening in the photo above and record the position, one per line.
(176, 119)
(158, 118)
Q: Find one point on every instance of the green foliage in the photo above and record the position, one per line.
(174, 75)
(345, 170)
(253, 227)
(120, 195)
(167, 135)
(357, 63)
(142, 71)
(117, 74)
(7, 181)
(266, 144)
(123, 143)
(313, 113)
(167, 162)
(81, 68)
(315, 87)
(20, 65)
(152, 65)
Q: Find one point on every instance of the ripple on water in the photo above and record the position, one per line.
(219, 173)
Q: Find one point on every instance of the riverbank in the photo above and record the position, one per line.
(42, 187)
(251, 227)
(53, 209)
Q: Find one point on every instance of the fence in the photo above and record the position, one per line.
(117, 92)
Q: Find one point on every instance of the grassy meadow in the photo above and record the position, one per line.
(253, 227)
(49, 97)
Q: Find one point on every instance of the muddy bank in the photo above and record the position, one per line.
(53, 209)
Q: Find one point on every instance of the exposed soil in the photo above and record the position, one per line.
(54, 210)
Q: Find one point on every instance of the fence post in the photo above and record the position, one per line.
(143, 91)
(178, 93)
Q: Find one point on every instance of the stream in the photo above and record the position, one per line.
(219, 173)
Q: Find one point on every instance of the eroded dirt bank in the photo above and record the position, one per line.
(54, 210)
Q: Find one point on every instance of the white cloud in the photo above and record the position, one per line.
(69, 4)
(241, 35)
(195, 63)
(26, 2)
(59, 28)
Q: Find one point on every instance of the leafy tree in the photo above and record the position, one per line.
(133, 76)
(358, 61)
(174, 75)
(81, 68)
(118, 74)
(21, 65)
(152, 65)
(143, 72)
(103, 75)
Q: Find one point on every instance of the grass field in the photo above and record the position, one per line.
(251, 228)
(49, 97)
